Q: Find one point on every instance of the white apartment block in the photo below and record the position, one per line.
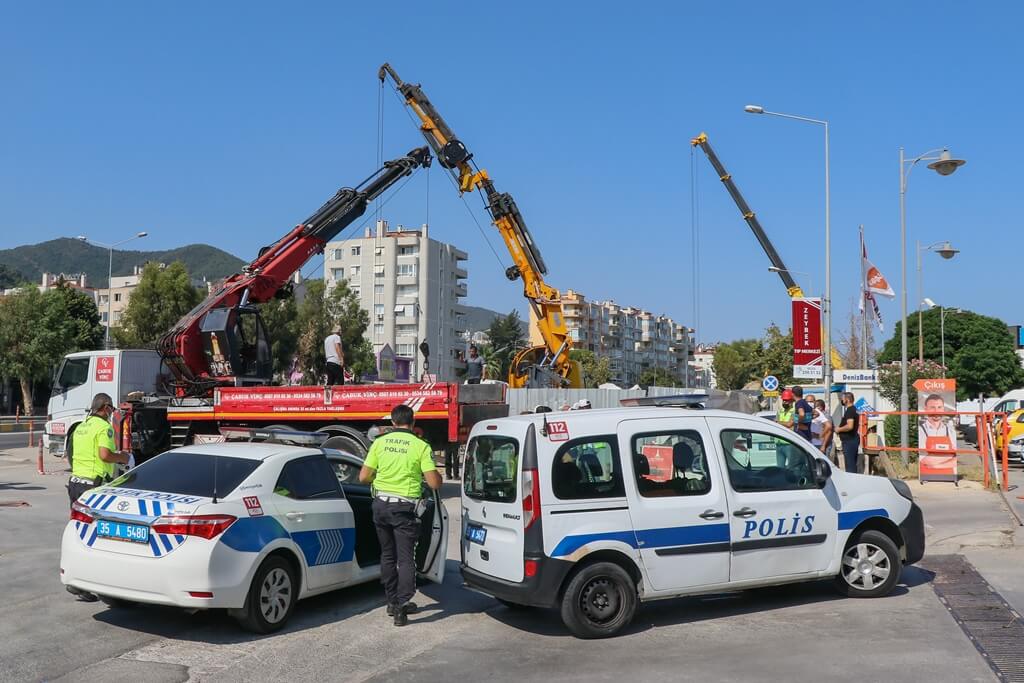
(411, 286)
(703, 367)
(633, 339)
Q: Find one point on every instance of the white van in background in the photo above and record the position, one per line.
(82, 375)
(1007, 403)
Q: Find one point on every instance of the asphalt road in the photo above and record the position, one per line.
(18, 439)
(792, 633)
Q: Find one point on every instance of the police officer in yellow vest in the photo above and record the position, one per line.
(396, 465)
(94, 456)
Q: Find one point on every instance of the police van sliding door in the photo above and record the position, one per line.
(677, 502)
(781, 523)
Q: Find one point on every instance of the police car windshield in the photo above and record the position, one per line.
(189, 474)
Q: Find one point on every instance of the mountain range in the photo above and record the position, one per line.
(71, 256)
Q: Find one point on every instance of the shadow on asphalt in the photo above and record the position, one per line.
(19, 486)
(671, 612)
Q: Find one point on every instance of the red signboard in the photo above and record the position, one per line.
(104, 368)
(558, 431)
(807, 358)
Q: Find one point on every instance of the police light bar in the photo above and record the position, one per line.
(693, 400)
(296, 438)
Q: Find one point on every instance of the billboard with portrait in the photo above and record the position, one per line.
(936, 432)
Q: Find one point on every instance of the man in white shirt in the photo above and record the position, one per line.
(335, 359)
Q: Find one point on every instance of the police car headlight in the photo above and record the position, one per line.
(902, 489)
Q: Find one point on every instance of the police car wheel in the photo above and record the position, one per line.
(599, 601)
(870, 567)
(271, 597)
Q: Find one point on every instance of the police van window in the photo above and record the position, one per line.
(764, 462)
(309, 478)
(189, 474)
(587, 469)
(489, 473)
(670, 464)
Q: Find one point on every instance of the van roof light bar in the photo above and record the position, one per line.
(693, 400)
(295, 438)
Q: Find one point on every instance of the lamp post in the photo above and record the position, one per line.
(826, 301)
(110, 275)
(943, 312)
(943, 164)
(946, 251)
(810, 278)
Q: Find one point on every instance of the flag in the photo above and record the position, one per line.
(874, 281)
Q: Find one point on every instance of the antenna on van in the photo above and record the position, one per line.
(544, 427)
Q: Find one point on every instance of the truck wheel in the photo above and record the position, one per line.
(346, 444)
(599, 601)
(271, 597)
(870, 567)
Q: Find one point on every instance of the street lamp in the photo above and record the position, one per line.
(946, 251)
(110, 275)
(943, 164)
(942, 326)
(810, 278)
(826, 301)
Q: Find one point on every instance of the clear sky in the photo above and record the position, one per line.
(227, 123)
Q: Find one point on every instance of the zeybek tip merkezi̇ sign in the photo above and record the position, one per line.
(808, 362)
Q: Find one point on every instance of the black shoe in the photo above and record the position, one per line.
(410, 608)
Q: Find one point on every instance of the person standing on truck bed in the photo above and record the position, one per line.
(94, 458)
(395, 466)
(474, 366)
(335, 359)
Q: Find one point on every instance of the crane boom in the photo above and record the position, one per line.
(545, 365)
(221, 342)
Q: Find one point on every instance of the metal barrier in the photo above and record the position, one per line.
(986, 423)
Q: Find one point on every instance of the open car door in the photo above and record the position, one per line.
(432, 548)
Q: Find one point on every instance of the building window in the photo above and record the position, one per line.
(378, 309)
(378, 271)
(378, 289)
(408, 250)
(117, 297)
(104, 298)
(407, 269)
(356, 251)
(103, 317)
(355, 291)
(338, 274)
(379, 251)
(407, 290)
(353, 271)
(336, 254)
(405, 330)
(378, 328)
(406, 350)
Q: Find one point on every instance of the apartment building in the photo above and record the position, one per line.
(411, 286)
(703, 367)
(633, 339)
(113, 300)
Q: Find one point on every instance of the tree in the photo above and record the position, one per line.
(280, 318)
(890, 383)
(9, 277)
(37, 330)
(737, 363)
(506, 338)
(320, 313)
(162, 297)
(492, 362)
(596, 371)
(776, 355)
(980, 352)
(657, 377)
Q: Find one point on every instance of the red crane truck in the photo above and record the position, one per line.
(218, 357)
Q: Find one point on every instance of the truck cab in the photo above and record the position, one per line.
(82, 375)
(594, 511)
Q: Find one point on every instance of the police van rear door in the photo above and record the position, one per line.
(493, 489)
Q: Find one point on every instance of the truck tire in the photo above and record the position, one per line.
(348, 444)
(599, 601)
(870, 567)
(271, 597)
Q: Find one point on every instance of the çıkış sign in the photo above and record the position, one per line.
(808, 361)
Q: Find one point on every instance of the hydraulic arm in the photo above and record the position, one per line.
(546, 365)
(222, 342)
(794, 290)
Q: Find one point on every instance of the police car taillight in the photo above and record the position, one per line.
(531, 498)
(81, 513)
(203, 526)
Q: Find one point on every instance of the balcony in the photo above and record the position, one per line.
(461, 273)
(460, 290)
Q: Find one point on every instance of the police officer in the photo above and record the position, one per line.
(94, 456)
(397, 463)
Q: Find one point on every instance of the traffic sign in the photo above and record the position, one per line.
(770, 383)
(770, 394)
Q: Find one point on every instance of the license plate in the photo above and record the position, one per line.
(122, 531)
(476, 534)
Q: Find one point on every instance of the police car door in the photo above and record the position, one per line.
(677, 501)
(312, 508)
(782, 523)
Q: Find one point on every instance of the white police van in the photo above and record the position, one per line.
(593, 511)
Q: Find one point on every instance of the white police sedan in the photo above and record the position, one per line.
(250, 527)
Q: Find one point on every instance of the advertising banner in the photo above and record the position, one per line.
(936, 433)
(104, 368)
(808, 362)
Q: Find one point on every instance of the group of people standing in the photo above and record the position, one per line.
(809, 418)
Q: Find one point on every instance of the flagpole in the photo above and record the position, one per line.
(863, 302)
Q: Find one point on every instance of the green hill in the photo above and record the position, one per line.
(70, 256)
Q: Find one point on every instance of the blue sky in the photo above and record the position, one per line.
(227, 123)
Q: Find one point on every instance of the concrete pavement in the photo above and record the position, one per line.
(791, 633)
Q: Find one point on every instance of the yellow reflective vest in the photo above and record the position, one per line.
(92, 434)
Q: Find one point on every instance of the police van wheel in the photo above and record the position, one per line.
(599, 601)
(870, 567)
(271, 597)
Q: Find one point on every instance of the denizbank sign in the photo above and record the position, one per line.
(844, 376)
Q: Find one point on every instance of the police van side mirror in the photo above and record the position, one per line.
(822, 472)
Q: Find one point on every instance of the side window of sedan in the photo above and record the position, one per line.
(309, 478)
